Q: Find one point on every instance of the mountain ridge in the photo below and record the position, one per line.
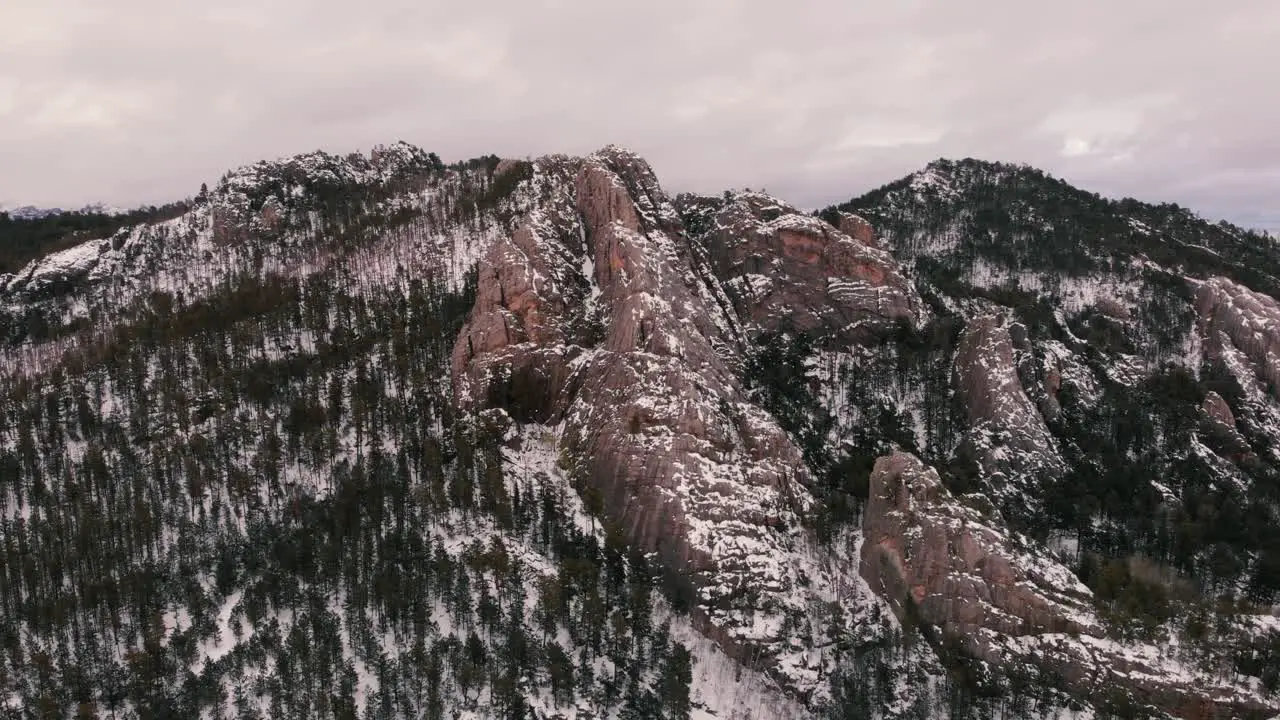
(707, 396)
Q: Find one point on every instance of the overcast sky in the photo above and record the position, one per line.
(139, 101)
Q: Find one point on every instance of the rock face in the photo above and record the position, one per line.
(1008, 438)
(614, 332)
(1218, 410)
(1239, 330)
(858, 228)
(784, 270)
(255, 199)
(951, 563)
(594, 313)
(58, 268)
(529, 319)
(603, 314)
(1238, 323)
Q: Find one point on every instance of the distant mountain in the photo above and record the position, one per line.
(28, 233)
(30, 212)
(376, 436)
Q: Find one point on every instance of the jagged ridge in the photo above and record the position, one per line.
(615, 330)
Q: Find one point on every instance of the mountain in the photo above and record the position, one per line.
(377, 436)
(31, 212)
(30, 233)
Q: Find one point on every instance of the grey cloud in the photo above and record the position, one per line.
(141, 100)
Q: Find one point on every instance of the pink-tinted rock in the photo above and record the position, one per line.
(1007, 437)
(933, 556)
(597, 314)
(602, 320)
(954, 563)
(272, 214)
(858, 228)
(505, 166)
(787, 270)
(1238, 320)
(1218, 409)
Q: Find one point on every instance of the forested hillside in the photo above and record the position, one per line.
(1106, 293)
(373, 436)
(23, 239)
(250, 496)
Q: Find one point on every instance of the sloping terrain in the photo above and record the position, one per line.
(1113, 389)
(373, 436)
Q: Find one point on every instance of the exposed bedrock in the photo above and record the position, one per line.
(594, 313)
(953, 565)
(1008, 439)
(1237, 325)
(788, 270)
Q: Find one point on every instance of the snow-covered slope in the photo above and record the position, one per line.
(373, 436)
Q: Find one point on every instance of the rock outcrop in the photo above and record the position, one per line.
(949, 562)
(953, 562)
(787, 270)
(57, 269)
(529, 321)
(1241, 322)
(1239, 333)
(608, 336)
(1217, 409)
(1007, 437)
(858, 228)
(621, 320)
(271, 196)
(595, 313)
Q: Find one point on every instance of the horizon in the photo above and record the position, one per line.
(143, 100)
(1264, 223)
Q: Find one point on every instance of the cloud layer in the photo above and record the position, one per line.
(141, 100)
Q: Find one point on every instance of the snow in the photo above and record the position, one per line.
(933, 181)
(1127, 370)
(227, 637)
(804, 588)
(1071, 294)
(1065, 547)
(110, 279)
(1140, 226)
(176, 619)
(1222, 469)
(722, 689)
(588, 270)
(71, 263)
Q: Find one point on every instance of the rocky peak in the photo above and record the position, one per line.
(400, 158)
(613, 332)
(615, 315)
(858, 228)
(955, 564)
(260, 197)
(786, 270)
(654, 415)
